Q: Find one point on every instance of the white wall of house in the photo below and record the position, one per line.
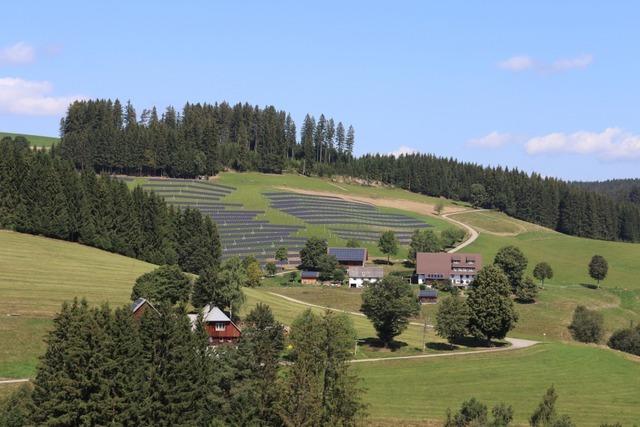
(359, 282)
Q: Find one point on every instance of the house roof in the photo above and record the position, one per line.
(428, 293)
(214, 314)
(366, 272)
(309, 274)
(349, 254)
(137, 305)
(443, 263)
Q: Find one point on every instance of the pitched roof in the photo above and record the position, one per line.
(442, 262)
(428, 293)
(349, 254)
(214, 314)
(135, 306)
(366, 272)
(309, 274)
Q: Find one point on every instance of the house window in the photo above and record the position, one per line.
(219, 326)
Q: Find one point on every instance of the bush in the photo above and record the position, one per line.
(627, 340)
(587, 325)
(526, 291)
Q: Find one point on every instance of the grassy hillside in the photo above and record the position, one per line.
(36, 275)
(34, 140)
(594, 385)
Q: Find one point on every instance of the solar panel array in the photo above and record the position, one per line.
(241, 234)
(361, 217)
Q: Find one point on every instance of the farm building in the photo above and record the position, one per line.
(460, 269)
(350, 256)
(309, 277)
(360, 276)
(428, 296)
(140, 306)
(219, 327)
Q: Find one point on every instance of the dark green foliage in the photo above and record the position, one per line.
(222, 287)
(16, 408)
(388, 244)
(424, 241)
(164, 284)
(543, 271)
(271, 268)
(598, 268)
(452, 318)
(312, 252)
(513, 262)
(492, 314)
(546, 415)
(388, 304)
(42, 194)
(256, 369)
(627, 340)
(281, 254)
(479, 195)
(474, 413)
(587, 325)
(327, 266)
(545, 201)
(450, 237)
(254, 274)
(527, 291)
(201, 140)
(319, 389)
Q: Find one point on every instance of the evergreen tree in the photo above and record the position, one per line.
(423, 241)
(164, 284)
(350, 141)
(527, 291)
(310, 255)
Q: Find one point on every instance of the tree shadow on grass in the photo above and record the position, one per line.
(382, 262)
(589, 285)
(473, 342)
(441, 346)
(375, 343)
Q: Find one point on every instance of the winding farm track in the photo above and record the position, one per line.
(473, 234)
(15, 381)
(516, 343)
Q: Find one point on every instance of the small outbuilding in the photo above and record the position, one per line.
(309, 277)
(428, 296)
(219, 327)
(140, 306)
(360, 276)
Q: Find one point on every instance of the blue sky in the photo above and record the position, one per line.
(544, 86)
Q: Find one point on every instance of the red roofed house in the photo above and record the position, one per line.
(460, 269)
(219, 326)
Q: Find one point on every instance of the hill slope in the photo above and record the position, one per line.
(34, 140)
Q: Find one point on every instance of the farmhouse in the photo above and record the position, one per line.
(350, 256)
(309, 277)
(458, 268)
(360, 276)
(428, 296)
(140, 306)
(219, 327)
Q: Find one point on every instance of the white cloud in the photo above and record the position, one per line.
(492, 140)
(517, 63)
(525, 63)
(610, 144)
(564, 64)
(19, 53)
(403, 149)
(31, 97)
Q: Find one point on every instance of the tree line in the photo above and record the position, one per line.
(106, 136)
(622, 190)
(104, 367)
(549, 202)
(43, 194)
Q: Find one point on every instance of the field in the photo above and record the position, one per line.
(37, 274)
(34, 140)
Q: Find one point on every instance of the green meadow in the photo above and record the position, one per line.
(34, 140)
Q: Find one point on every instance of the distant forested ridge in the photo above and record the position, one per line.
(621, 190)
(549, 202)
(201, 140)
(42, 194)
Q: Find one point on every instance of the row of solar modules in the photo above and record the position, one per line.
(369, 236)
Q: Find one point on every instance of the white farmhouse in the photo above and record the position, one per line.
(360, 276)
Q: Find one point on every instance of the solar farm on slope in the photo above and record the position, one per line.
(245, 232)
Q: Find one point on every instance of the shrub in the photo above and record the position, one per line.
(587, 325)
(627, 340)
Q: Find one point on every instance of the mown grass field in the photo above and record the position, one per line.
(34, 140)
(38, 274)
(594, 385)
